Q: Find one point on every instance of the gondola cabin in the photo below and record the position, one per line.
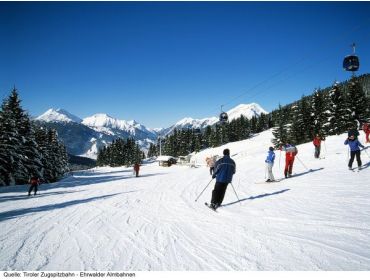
(351, 63)
(224, 117)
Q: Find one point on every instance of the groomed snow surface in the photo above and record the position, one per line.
(107, 219)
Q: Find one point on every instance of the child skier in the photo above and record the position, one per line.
(354, 146)
(269, 164)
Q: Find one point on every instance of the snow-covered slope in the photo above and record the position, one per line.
(106, 219)
(58, 115)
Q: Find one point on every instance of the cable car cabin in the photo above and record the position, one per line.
(351, 63)
(223, 117)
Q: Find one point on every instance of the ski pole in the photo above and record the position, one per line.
(302, 163)
(235, 192)
(366, 152)
(203, 190)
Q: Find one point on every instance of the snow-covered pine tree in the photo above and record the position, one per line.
(262, 122)
(280, 131)
(11, 141)
(337, 109)
(358, 109)
(319, 113)
(297, 128)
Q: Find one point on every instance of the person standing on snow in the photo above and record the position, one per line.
(290, 152)
(366, 129)
(136, 169)
(354, 146)
(317, 143)
(224, 170)
(211, 164)
(269, 164)
(35, 182)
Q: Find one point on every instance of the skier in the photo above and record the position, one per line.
(290, 153)
(270, 163)
(136, 169)
(366, 129)
(317, 143)
(35, 182)
(224, 170)
(354, 146)
(211, 164)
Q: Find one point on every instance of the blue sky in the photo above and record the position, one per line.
(157, 62)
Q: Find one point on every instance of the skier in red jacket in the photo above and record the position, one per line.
(317, 143)
(136, 169)
(290, 153)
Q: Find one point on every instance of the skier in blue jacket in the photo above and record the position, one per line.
(354, 146)
(224, 171)
(269, 164)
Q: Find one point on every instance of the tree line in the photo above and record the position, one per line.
(120, 152)
(329, 111)
(27, 149)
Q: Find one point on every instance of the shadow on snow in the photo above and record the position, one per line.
(25, 196)
(255, 197)
(306, 172)
(21, 212)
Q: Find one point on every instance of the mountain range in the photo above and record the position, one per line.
(84, 137)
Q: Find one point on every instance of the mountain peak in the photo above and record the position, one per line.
(247, 110)
(58, 115)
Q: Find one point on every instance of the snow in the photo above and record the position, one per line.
(106, 219)
(246, 110)
(58, 115)
(104, 120)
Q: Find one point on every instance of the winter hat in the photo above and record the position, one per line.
(271, 149)
(226, 152)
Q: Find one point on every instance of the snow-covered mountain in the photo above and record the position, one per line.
(58, 115)
(112, 126)
(246, 110)
(85, 137)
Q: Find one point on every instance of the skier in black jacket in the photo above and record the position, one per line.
(224, 171)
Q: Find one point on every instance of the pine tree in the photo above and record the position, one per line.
(337, 110)
(357, 104)
(280, 132)
(319, 114)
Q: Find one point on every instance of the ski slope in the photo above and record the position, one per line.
(107, 219)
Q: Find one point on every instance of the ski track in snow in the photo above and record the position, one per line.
(107, 219)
